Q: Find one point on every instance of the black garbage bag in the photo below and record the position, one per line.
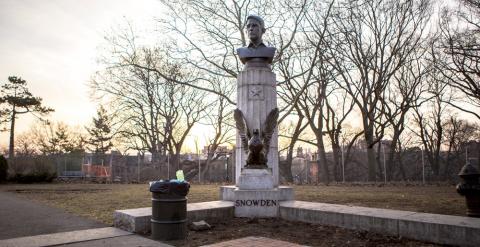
(170, 187)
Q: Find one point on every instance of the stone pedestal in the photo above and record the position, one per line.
(256, 97)
(256, 193)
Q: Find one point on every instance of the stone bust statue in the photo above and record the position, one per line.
(256, 50)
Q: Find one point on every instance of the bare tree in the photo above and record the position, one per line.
(375, 38)
(293, 132)
(55, 138)
(153, 111)
(220, 120)
(406, 92)
(335, 118)
(460, 29)
(431, 120)
(457, 132)
(24, 145)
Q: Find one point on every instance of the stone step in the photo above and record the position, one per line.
(436, 228)
(137, 220)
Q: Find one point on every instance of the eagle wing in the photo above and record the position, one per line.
(242, 128)
(268, 128)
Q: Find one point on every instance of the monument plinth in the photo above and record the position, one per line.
(256, 193)
(256, 98)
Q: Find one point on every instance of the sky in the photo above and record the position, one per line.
(53, 45)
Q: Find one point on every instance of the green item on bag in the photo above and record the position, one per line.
(180, 176)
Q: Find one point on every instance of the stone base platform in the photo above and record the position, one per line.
(137, 220)
(436, 228)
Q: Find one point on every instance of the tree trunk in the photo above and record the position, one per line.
(156, 157)
(371, 164)
(400, 165)
(371, 160)
(205, 168)
(11, 147)
(337, 162)
(322, 162)
(378, 159)
(286, 167)
(391, 164)
(447, 163)
(175, 164)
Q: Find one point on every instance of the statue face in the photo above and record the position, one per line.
(254, 30)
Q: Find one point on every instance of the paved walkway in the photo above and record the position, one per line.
(25, 223)
(253, 242)
(20, 217)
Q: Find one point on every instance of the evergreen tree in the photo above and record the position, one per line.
(16, 99)
(100, 138)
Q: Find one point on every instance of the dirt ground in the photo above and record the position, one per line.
(295, 232)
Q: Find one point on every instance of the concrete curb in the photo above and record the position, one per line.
(137, 220)
(436, 228)
(64, 237)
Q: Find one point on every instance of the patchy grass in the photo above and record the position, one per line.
(437, 199)
(99, 201)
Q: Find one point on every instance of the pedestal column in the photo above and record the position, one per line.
(256, 97)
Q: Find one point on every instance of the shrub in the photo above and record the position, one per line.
(34, 177)
(36, 169)
(3, 168)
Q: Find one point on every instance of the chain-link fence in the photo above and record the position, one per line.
(413, 164)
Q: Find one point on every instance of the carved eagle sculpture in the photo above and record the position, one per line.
(256, 144)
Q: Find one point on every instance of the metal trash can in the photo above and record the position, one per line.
(169, 209)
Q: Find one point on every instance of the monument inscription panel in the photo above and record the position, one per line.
(256, 203)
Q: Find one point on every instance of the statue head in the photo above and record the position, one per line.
(255, 28)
